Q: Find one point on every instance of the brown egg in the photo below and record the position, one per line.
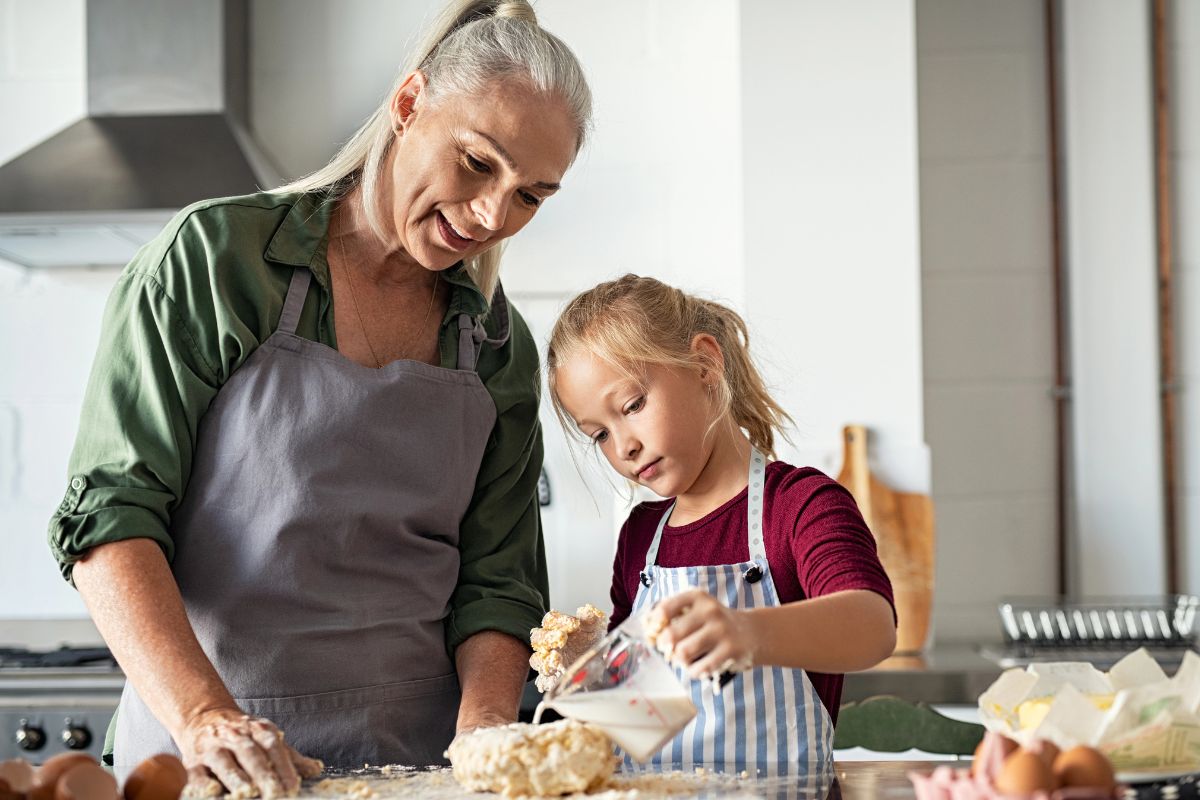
(17, 775)
(1084, 766)
(86, 782)
(45, 782)
(160, 777)
(1005, 744)
(1024, 772)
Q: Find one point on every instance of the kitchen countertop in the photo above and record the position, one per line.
(856, 780)
(851, 780)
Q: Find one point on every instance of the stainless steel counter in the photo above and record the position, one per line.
(859, 780)
(951, 674)
(853, 780)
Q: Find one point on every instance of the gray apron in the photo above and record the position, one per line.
(317, 545)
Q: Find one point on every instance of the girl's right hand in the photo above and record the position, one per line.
(229, 752)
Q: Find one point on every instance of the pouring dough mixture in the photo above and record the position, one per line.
(558, 758)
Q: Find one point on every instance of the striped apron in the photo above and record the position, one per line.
(767, 720)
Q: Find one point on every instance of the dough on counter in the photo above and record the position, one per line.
(558, 758)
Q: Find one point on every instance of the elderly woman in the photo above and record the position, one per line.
(302, 497)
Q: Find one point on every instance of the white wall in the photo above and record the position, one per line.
(49, 321)
(830, 224)
(987, 292)
(42, 52)
(1108, 130)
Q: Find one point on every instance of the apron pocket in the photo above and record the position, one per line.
(409, 722)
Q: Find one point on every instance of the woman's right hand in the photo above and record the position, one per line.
(229, 752)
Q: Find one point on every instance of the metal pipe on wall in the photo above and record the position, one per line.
(1166, 319)
(1061, 391)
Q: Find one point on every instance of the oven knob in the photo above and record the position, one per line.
(76, 737)
(30, 737)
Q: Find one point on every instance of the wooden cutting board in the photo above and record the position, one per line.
(902, 524)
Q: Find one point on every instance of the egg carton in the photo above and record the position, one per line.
(1156, 622)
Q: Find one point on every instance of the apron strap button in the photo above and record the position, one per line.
(753, 574)
(644, 578)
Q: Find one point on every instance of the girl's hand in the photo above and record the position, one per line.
(247, 755)
(702, 634)
(561, 639)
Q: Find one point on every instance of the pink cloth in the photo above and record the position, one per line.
(815, 538)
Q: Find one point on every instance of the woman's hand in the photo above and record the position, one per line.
(247, 755)
(700, 633)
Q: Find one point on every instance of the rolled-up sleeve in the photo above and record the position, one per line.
(502, 582)
(148, 388)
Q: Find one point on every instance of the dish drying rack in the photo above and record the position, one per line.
(1157, 623)
(1098, 630)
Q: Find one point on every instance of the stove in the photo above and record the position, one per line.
(56, 701)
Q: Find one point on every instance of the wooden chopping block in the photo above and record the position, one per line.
(902, 524)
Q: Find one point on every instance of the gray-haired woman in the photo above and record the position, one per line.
(284, 518)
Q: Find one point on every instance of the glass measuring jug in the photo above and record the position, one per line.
(626, 688)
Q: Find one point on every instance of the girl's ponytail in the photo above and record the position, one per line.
(749, 402)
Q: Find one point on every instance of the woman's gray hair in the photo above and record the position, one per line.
(469, 45)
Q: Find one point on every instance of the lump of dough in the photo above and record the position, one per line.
(558, 758)
(562, 639)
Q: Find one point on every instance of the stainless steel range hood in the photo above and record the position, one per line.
(167, 105)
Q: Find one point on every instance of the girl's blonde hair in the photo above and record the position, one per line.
(471, 44)
(635, 322)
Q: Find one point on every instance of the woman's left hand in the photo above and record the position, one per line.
(704, 635)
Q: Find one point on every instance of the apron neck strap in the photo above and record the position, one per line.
(472, 335)
(755, 487)
(294, 304)
(755, 483)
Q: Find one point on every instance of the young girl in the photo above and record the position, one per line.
(790, 590)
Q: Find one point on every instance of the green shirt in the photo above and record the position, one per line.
(189, 310)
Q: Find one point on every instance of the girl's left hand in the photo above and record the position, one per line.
(704, 635)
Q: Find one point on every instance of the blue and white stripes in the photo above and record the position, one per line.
(768, 721)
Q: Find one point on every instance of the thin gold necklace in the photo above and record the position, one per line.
(358, 313)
